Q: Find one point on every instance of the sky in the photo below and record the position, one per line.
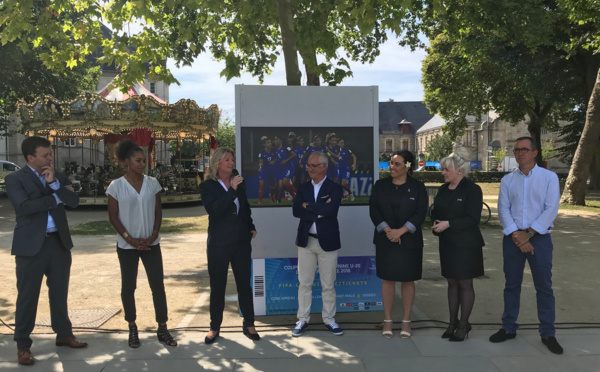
(397, 72)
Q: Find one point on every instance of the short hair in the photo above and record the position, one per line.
(322, 156)
(126, 149)
(264, 138)
(408, 158)
(459, 159)
(215, 159)
(30, 145)
(530, 139)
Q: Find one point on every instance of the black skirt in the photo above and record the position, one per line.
(461, 262)
(397, 263)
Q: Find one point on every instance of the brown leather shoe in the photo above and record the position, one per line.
(25, 357)
(70, 341)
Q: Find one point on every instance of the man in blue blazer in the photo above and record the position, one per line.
(316, 204)
(41, 244)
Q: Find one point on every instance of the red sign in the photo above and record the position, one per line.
(421, 163)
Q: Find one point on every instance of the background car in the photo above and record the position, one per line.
(6, 167)
(427, 168)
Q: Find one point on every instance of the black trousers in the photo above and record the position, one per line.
(152, 260)
(53, 261)
(219, 257)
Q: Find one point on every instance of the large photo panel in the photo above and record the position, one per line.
(350, 113)
(274, 161)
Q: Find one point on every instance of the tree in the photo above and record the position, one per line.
(587, 148)
(226, 133)
(248, 35)
(499, 155)
(23, 75)
(569, 27)
(466, 80)
(439, 147)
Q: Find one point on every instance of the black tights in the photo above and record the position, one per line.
(460, 294)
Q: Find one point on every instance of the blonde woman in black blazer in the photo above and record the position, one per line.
(398, 206)
(230, 231)
(455, 215)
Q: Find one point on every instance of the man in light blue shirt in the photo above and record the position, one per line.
(527, 206)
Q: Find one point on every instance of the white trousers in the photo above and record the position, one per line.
(308, 259)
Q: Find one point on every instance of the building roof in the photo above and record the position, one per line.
(392, 113)
(435, 122)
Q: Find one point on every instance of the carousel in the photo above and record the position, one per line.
(96, 123)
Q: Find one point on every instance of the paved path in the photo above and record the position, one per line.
(315, 351)
(95, 285)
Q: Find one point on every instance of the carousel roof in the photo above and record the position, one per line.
(95, 115)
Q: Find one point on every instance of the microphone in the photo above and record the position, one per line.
(235, 172)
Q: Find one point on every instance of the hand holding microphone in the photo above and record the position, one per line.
(237, 180)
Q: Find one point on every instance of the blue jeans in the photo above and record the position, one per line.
(540, 264)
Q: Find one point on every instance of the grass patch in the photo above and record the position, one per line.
(591, 206)
(183, 225)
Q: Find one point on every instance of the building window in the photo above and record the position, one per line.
(467, 138)
(389, 145)
(404, 144)
(543, 131)
(70, 142)
(153, 88)
(404, 128)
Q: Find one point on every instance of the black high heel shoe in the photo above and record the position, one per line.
(252, 336)
(209, 340)
(461, 333)
(449, 331)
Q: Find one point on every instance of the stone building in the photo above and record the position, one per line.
(398, 124)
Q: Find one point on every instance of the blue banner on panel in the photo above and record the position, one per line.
(275, 286)
(475, 164)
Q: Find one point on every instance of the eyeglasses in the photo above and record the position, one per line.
(313, 166)
(523, 150)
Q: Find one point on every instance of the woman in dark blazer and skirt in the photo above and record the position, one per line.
(230, 231)
(398, 206)
(455, 214)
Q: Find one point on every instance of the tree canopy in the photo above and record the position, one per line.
(247, 35)
(439, 147)
(534, 57)
(23, 75)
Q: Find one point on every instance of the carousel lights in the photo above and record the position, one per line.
(30, 133)
(53, 132)
(182, 134)
(51, 138)
(206, 136)
(93, 131)
(79, 140)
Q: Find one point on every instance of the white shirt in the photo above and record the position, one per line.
(528, 200)
(235, 201)
(136, 211)
(317, 188)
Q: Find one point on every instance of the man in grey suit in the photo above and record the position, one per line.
(41, 244)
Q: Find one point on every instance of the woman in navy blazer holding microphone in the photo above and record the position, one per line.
(230, 231)
(398, 206)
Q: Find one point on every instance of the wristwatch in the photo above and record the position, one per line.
(125, 235)
(530, 233)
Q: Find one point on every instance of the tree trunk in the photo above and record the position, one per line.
(310, 66)
(537, 116)
(574, 192)
(288, 39)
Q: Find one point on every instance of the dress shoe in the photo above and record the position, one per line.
(209, 340)
(25, 357)
(502, 336)
(449, 331)
(71, 341)
(252, 336)
(461, 332)
(552, 345)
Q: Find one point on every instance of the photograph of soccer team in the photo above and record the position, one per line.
(274, 162)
